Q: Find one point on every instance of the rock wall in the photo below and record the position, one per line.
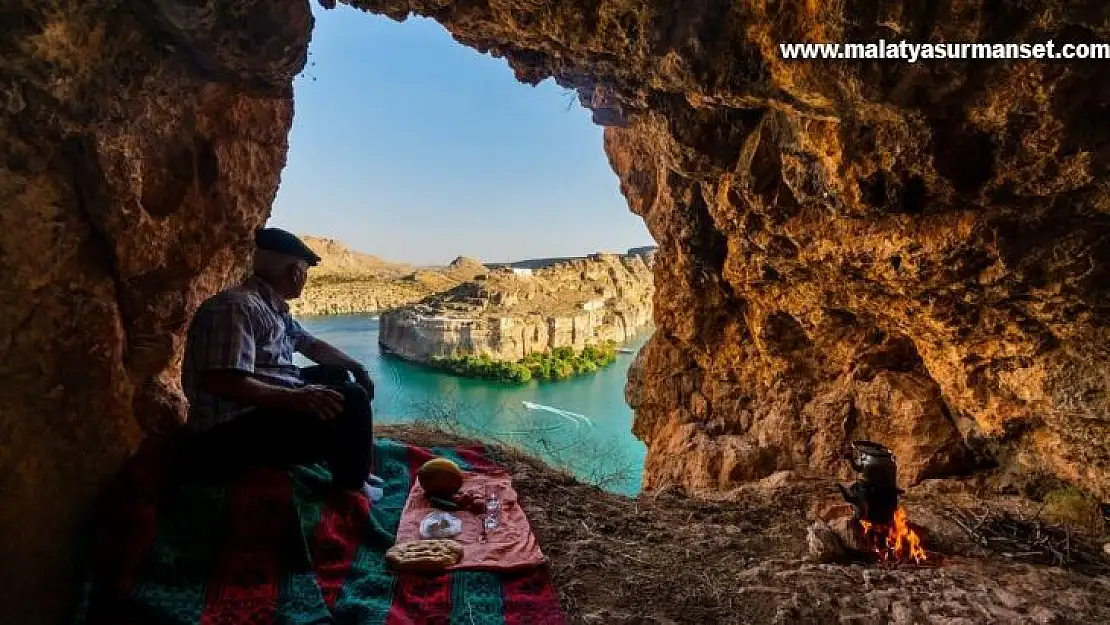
(140, 148)
(357, 297)
(913, 252)
(508, 316)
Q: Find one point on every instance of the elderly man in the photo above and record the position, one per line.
(249, 404)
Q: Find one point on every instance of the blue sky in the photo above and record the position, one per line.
(407, 145)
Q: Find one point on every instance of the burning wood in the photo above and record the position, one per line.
(894, 543)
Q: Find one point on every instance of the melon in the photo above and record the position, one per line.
(440, 477)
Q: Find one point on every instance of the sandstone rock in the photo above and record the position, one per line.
(832, 507)
(141, 147)
(902, 614)
(847, 532)
(834, 540)
(778, 480)
(357, 297)
(907, 409)
(1044, 616)
(465, 262)
(824, 544)
(510, 315)
(1008, 599)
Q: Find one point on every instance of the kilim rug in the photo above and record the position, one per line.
(282, 546)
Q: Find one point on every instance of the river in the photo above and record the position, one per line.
(582, 424)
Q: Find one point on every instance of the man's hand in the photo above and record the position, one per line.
(321, 401)
(321, 352)
(362, 378)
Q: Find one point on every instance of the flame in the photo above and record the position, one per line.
(896, 543)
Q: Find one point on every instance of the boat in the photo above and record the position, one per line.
(626, 350)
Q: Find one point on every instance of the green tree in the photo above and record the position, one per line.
(558, 364)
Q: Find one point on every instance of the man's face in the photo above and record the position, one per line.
(298, 276)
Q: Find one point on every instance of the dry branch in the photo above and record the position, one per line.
(1030, 540)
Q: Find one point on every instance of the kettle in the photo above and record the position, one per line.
(874, 462)
(874, 498)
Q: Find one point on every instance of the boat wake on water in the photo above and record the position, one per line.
(574, 417)
(391, 371)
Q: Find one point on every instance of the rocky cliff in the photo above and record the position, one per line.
(912, 252)
(338, 296)
(511, 313)
(349, 282)
(142, 144)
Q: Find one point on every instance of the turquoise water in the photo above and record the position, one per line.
(582, 424)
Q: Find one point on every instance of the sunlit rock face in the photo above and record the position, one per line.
(141, 145)
(507, 316)
(914, 253)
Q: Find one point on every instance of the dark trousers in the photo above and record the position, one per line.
(288, 437)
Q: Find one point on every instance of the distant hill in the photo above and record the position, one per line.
(347, 281)
(534, 263)
(338, 259)
(539, 263)
(507, 315)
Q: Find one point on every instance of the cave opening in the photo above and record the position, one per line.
(111, 106)
(451, 171)
(447, 153)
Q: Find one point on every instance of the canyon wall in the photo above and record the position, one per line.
(915, 253)
(355, 297)
(507, 315)
(140, 146)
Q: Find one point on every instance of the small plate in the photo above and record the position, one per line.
(440, 525)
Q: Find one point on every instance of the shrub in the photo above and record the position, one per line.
(1071, 506)
(561, 363)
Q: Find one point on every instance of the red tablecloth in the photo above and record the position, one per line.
(510, 545)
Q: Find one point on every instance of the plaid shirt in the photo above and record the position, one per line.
(246, 328)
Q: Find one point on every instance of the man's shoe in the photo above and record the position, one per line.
(373, 493)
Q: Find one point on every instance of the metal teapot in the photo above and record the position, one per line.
(874, 497)
(874, 462)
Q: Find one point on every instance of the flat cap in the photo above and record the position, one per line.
(283, 242)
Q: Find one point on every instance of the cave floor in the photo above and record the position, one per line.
(742, 558)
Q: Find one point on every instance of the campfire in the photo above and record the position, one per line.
(894, 543)
(881, 523)
(877, 529)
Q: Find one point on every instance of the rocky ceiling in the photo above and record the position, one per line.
(913, 253)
